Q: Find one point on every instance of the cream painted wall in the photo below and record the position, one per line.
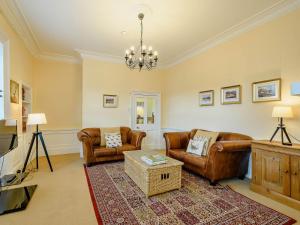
(20, 70)
(57, 93)
(100, 78)
(269, 51)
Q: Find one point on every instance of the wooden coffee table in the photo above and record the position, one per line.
(153, 180)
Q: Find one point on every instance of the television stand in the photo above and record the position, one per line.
(12, 179)
(17, 199)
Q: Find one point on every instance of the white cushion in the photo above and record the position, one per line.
(113, 140)
(198, 145)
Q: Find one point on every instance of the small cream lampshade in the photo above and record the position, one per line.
(36, 119)
(11, 122)
(282, 112)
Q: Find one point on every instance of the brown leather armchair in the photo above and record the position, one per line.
(93, 151)
(227, 158)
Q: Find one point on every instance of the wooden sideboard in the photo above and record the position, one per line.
(276, 171)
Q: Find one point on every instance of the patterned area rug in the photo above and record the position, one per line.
(117, 200)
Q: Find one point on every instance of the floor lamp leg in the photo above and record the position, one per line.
(37, 152)
(45, 149)
(29, 152)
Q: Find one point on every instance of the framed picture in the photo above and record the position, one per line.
(206, 98)
(265, 91)
(110, 101)
(14, 92)
(231, 95)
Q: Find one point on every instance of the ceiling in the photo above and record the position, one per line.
(173, 27)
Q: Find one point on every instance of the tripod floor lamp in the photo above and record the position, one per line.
(281, 112)
(37, 119)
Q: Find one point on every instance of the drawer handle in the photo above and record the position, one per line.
(286, 171)
(295, 173)
(164, 176)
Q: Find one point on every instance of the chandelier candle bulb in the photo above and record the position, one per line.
(141, 58)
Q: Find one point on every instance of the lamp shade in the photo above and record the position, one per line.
(282, 112)
(10, 122)
(295, 88)
(36, 119)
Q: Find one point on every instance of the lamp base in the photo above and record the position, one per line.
(283, 132)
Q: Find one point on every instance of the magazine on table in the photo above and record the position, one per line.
(154, 159)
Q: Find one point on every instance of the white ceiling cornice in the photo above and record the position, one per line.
(14, 16)
(99, 56)
(265, 16)
(12, 12)
(17, 20)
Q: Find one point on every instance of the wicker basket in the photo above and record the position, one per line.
(153, 180)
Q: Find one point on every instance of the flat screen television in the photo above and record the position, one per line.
(8, 136)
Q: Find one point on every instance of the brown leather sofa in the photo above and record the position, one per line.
(227, 158)
(93, 151)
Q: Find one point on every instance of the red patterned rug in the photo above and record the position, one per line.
(117, 200)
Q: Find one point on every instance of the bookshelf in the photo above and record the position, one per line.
(26, 105)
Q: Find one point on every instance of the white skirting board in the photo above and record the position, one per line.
(58, 142)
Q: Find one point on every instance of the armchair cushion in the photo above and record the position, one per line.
(198, 161)
(126, 147)
(177, 154)
(103, 151)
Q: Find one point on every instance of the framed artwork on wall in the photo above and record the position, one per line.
(206, 98)
(14, 92)
(110, 101)
(267, 90)
(231, 95)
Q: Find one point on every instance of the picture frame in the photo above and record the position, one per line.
(231, 95)
(110, 101)
(206, 98)
(14, 92)
(266, 91)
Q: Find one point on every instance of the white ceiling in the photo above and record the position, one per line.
(173, 27)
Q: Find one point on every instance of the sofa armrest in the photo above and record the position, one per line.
(87, 145)
(233, 146)
(176, 140)
(137, 138)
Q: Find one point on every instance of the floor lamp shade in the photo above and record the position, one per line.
(36, 119)
(282, 112)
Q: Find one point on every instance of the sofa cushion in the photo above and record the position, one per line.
(177, 154)
(105, 130)
(113, 140)
(198, 161)
(126, 147)
(103, 151)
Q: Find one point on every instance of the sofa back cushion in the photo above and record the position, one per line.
(125, 135)
(107, 130)
(227, 136)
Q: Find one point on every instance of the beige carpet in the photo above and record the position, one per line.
(62, 197)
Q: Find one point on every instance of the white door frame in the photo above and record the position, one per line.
(6, 73)
(158, 117)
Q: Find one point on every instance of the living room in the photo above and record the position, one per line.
(70, 79)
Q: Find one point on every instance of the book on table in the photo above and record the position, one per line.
(154, 159)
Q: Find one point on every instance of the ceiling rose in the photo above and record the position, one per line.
(141, 57)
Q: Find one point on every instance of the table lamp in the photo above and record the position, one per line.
(281, 112)
(37, 119)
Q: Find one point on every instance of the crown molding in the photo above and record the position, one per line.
(59, 58)
(99, 56)
(14, 15)
(16, 19)
(271, 13)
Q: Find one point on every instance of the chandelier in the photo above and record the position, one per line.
(141, 57)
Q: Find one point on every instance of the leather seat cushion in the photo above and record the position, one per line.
(103, 151)
(177, 154)
(197, 161)
(126, 147)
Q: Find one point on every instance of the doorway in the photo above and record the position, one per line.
(146, 116)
